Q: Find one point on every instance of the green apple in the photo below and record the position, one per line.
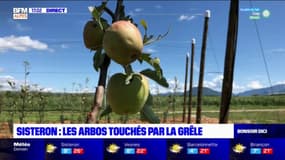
(93, 35)
(123, 42)
(127, 98)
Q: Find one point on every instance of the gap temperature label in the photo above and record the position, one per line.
(51, 10)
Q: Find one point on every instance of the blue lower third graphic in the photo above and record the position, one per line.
(66, 150)
(192, 150)
(255, 150)
(129, 151)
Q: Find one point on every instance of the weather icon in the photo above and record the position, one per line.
(50, 148)
(266, 13)
(239, 148)
(113, 148)
(175, 148)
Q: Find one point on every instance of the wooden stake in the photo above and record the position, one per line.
(100, 89)
(202, 66)
(191, 81)
(229, 62)
(185, 87)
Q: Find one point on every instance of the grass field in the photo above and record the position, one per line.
(72, 108)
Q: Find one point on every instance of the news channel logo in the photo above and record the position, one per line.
(20, 13)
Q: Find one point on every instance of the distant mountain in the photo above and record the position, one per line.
(206, 92)
(277, 89)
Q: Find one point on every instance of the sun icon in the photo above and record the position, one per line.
(266, 13)
(239, 148)
(50, 148)
(113, 148)
(175, 148)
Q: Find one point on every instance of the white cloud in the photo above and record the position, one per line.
(185, 17)
(238, 88)
(138, 9)
(4, 85)
(150, 50)
(158, 6)
(64, 46)
(280, 82)
(176, 85)
(254, 85)
(131, 13)
(155, 88)
(196, 67)
(161, 90)
(1, 69)
(47, 89)
(215, 83)
(18, 25)
(4, 82)
(278, 50)
(21, 43)
(135, 12)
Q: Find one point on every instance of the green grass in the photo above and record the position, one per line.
(75, 106)
(253, 117)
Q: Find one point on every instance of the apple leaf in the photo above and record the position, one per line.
(150, 39)
(153, 75)
(100, 8)
(146, 39)
(144, 57)
(106, 111)
(98, 59)
(144, 24)
(154, 62)
(147, 112)
(96, 15)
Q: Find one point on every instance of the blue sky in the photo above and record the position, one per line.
(53, 44)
